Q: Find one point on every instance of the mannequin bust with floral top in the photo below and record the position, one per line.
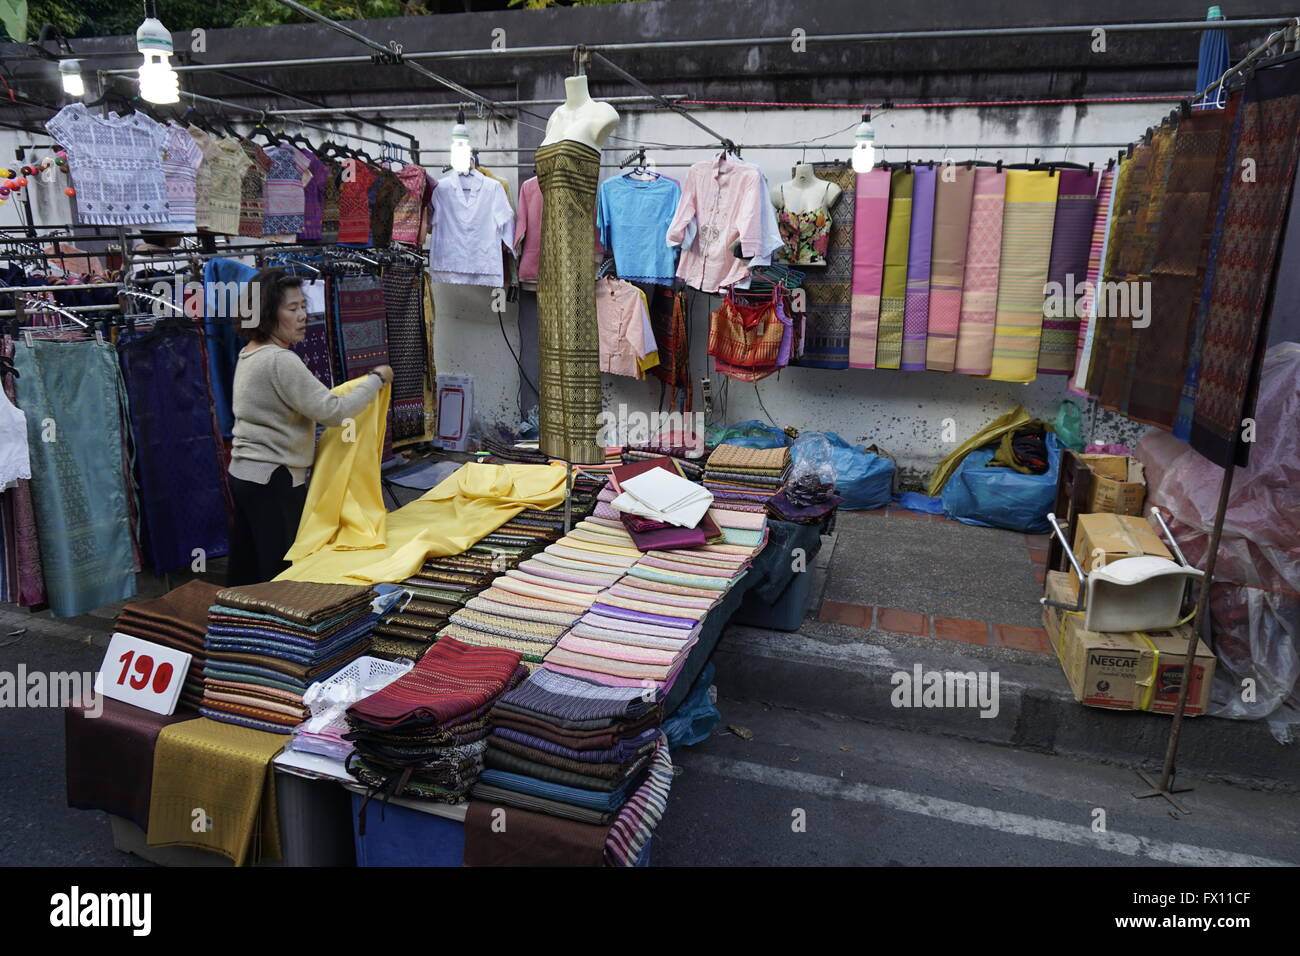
(580, 118)
(803, 207)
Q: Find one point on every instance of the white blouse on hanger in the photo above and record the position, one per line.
(472, 220)
(14, 460)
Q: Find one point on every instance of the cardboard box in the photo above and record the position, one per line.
(1118, 484)
(1100, 539)
(1125, 670)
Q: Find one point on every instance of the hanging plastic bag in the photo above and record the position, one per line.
(1069, 425)
(812, 460)
(1002, 497)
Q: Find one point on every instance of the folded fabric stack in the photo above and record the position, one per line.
(267, 643)
(530, 607)
(424, 734)
(446, 584)
(569, 748)
(743, 479)
(639, 630)
(504, 448)
(178, 620)
(692, 464)
(328, 700)
(663, 496)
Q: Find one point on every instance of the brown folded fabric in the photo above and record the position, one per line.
(532, 839)
(423, 635)
(270, 716)
(576, 739)
(110, 758)
(185, 606)
(168, 637)
(391, 648)
(304, 602)
(727, 456)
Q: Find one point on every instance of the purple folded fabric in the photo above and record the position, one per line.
(663, 620)
(667, 538)
(625, 750)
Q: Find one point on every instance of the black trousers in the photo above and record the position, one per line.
(265, 524)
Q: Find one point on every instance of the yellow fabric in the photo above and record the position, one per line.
(990, 432)
(456, 514)
(345, 506)
(225, 771)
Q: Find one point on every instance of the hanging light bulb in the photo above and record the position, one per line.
(462, 155)
(73, 84)
(864, 146)
(158, 83)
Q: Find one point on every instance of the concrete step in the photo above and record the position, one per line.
(847, 671)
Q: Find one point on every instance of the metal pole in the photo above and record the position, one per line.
(1165, 787)
(676, 108)
(455, 106)
(482, 101)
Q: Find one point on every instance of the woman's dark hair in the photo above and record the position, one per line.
(271, 285)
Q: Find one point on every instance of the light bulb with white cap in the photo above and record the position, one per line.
(462, 154)
(864, 146)
(158, 81)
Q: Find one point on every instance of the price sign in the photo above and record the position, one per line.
(142, 673)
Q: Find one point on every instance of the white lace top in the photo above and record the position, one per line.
(116, 165)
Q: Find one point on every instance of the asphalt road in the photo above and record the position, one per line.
(805, 790)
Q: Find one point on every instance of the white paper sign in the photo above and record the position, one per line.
(142, 673)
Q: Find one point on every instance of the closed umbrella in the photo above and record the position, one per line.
(1213, 60)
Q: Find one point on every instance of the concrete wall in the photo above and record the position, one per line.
(903, 412)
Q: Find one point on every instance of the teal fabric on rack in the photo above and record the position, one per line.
(74, 399)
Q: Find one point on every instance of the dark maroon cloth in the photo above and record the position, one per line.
(110, 758)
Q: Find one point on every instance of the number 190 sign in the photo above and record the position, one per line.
(142, 673)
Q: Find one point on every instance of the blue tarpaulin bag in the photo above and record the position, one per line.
(865, 481)
(1002, 497)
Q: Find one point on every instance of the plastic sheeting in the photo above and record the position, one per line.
(1255, 600)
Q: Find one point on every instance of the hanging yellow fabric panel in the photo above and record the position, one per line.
(345, 506)
(456, 514)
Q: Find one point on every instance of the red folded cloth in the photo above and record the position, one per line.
(449, 681)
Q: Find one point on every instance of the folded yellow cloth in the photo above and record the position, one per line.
(449, 518)
(214, 788)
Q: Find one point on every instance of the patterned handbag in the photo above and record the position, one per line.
(744, 335)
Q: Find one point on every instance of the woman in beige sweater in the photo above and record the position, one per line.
(277, 402)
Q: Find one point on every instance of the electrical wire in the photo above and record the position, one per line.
(524, 375)
(759, 396)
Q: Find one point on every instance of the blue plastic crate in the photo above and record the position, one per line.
(786, 613)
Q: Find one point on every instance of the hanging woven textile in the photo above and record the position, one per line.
(175, 445)
(1026, 249)
(1088, 304)
(568, 337)
(829, 290)
(79, 493)
(1244, 276)
(1177, 272)
(953, 196)
(871, 222)
(979, 295)
(26, 583)
(893, 283)
(1076, 210)
(404, 309)
(916, 301)
(668, 322)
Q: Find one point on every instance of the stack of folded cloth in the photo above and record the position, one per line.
(504, 448)
(530, 607)
(805, 500)
(267, 643)
(179, 620)
(648, 532)
(425, 733)
(745, 478)
(569, 748)
(689, 461)
(446, 584)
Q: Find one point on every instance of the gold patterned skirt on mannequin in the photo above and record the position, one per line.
(569, 386)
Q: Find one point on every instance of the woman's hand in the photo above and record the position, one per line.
(385, 372)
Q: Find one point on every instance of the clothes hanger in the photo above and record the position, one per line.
(112, 95)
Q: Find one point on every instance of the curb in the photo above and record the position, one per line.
(849, 672)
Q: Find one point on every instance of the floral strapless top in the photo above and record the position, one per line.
(805, 235)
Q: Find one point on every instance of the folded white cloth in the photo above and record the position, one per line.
(663, 496)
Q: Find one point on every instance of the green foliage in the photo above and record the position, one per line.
(13, 17)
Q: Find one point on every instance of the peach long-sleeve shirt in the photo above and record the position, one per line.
(724, 198)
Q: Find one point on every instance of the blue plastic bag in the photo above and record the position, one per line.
(865, 481)
(750, 434)
(696, 716)
(1002, 497)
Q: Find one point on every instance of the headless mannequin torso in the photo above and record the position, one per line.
(805, 192)
(580, 118)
